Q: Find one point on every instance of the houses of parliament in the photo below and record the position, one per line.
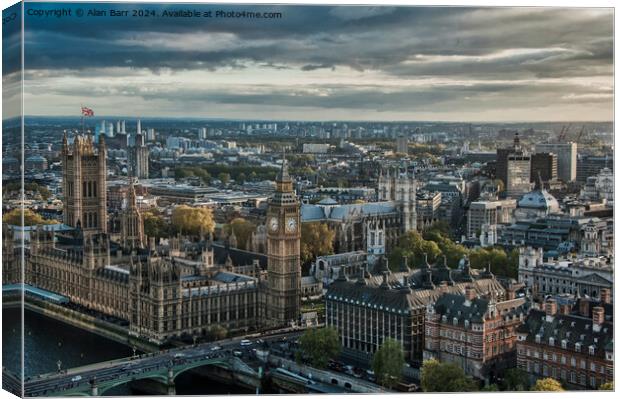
(162, 291)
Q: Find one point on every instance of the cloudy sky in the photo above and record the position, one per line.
(324, 63)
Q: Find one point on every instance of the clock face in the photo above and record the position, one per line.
(291, 224)
(273, 224)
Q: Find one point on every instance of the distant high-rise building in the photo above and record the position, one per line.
(590, 165)
(545, 166)
(202, 133)
(138, 158)
(150, 134)
(518, 176)
(567, 158)
(402, 144)
(123, 130)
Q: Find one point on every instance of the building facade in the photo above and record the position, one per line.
(567, 158)
(575, 349)
(476, 333)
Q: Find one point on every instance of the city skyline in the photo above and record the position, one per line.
(321, 63)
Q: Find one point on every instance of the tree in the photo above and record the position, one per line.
(387, 363)
(191, 220)
(224, 177)
(444, 377)
(608, 386)
(216, 333)
(547, 384)
(14, 217)
(243, 230)
(319, 345)
(316, 240)
(515, 379)
(415, 248)
(155, 225)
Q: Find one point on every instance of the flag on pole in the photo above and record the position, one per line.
(87, 111)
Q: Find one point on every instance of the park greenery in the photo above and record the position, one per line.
(12, 188)
(317, 239)
(192, 220)
(226, 173)
(445, 377)
(515, 379)
(388, 362)
(435, 242)
(14, 217)
(242, 229)
(318, 345)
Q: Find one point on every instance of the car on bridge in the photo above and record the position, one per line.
(216, 348)
(76, 378)
(246, 342)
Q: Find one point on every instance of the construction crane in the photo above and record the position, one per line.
(564, 132)
(583, 128)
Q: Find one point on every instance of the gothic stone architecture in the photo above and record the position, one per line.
(162, 290)
(387, 219)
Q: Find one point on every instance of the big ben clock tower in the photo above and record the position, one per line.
(283, 264)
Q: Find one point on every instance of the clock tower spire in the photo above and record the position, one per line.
(283, 258)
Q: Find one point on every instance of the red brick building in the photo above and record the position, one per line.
(477, 333)
(573, 348)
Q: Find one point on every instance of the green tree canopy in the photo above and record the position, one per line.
(547, 384)
(444, 377)
(224, 177)
(243, 230)
(14, 217)
(608, 386)
(515, 379)
(415, 248)
(387, 363)
(192, 220)
(155, 225)
(319, 345)
(316, 240)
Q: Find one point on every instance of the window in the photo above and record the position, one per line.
(582, 364)
(591, 349)
(573, 362)
(578, 347)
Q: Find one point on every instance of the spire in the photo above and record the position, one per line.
(283, 174)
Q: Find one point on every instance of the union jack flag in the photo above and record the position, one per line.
(87, 111)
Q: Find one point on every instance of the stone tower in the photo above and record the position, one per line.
(84, 184)
(132, 226)
(283, 264)
(399, 185)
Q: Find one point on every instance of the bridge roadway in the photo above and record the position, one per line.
(163, 366)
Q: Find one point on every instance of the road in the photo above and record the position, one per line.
(156, 361)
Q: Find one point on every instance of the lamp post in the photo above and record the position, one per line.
(59, 365)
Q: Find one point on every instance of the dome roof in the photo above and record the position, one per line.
(539, 199)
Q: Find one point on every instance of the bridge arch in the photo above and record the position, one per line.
(105, 386)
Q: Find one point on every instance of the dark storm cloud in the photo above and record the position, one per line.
(358, 37)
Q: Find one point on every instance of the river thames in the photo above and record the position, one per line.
(47, 341)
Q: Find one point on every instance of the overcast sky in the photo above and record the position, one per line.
(324, 63)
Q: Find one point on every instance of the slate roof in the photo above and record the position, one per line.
(572, 328)
(457, 305)
(345, 212)
(239, 257)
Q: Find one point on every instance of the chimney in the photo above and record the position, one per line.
(584, 307)
(606, 295)
(551, 307)
(470, 293)
(598, 317)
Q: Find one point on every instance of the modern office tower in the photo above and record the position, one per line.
(138, 157)
(139, 127)
(84, 184)
(545, 166)
(489, 212)
(567, 158)
(402, 144)
(518, 174)
(202, 133)
(590, 165)
(109, 129)
(283, 259)
(150, 134)
(118, 126)
(123, 130)
(513, 168)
